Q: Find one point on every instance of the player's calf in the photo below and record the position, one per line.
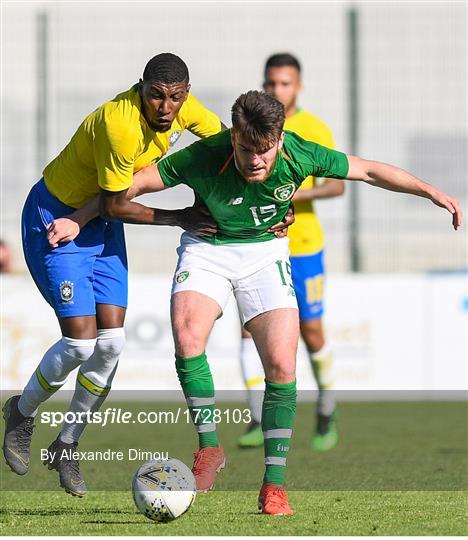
(17, 440)
(62, 457)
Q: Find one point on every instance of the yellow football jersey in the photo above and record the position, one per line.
(306, 234)
(114, 142)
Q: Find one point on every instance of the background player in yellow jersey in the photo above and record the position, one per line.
(282, 79)
(84, 279)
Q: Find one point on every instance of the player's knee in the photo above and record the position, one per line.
(313, 338)
(280, 371)
(79, 350)
(189, 340)
(110, 343)
(189, 344)
(189, 347)
(315, 344)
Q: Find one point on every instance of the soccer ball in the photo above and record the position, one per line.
(163, 489)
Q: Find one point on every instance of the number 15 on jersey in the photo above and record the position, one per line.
(263, 214)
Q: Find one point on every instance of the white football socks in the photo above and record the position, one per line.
(94, 381)
(51, 373)
(322, 363)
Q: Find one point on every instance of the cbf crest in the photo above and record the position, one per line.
(66, 291)
(174, 137)
(285, 192)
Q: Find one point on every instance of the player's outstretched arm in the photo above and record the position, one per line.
(146, 180)
(394, 179)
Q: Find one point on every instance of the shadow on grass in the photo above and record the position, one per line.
(108, 522)
(62, 511)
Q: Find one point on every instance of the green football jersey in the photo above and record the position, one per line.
(244, 212)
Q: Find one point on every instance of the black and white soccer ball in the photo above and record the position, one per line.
(163, 490)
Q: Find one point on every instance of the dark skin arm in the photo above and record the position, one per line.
(148, 180)
(118, 205)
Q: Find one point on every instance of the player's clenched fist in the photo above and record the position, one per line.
(281, 228)
(197, 219)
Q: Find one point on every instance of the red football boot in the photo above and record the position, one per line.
(207, 463)
(274, 501)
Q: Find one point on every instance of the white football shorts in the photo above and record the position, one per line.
(258, 274)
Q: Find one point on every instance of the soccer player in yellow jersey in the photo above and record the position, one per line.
(84, 279)
(283, 80)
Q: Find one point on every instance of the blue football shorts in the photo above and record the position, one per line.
(308, 277)
(77, 275)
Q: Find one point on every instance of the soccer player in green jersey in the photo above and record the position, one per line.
(247, 176)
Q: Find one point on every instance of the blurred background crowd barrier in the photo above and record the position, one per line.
(389, 78)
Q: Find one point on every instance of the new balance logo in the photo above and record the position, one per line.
(236, 200)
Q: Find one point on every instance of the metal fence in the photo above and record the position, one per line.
(412, 108)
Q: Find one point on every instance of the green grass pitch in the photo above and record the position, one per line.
(399, 469)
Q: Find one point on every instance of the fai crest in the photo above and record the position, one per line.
(174, 137)
(66, 291)
(182, 276)
(284, 193)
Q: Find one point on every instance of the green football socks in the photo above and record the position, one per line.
(197, 383)
(279, 411)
